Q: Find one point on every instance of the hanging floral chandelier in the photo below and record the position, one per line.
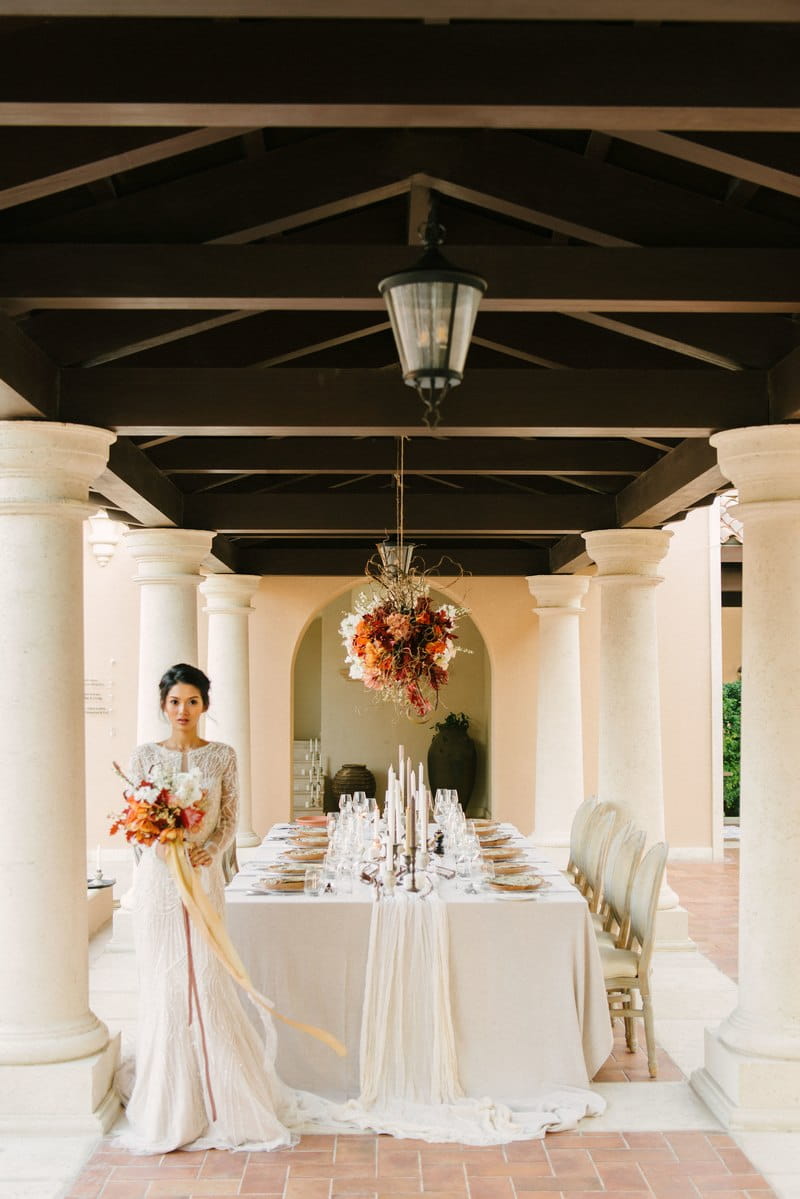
(398, 642)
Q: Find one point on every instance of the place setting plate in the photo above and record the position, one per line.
(501, 853)
(277, 885)
(521, 886)
(315, 854)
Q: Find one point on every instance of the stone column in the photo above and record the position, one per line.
(168, 562)
(630, 773)
(751, 1077)
(228, 608)
(56, 1061)
(559, 729)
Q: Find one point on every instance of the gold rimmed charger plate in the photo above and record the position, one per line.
(494, 839)
(485, 826)
(502, 853)
(302, 840)
(521, 884)
(504, 868)
(278, 886)
(304, 855)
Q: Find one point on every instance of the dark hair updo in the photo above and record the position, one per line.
(182, 673)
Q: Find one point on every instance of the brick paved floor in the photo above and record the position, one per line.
(617, 1165)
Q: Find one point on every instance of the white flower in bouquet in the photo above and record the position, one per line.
(188, 789)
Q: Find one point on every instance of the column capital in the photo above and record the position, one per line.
(168, 555)
(558, 593)
(628, 554)
(762, 462)
(229, 593)
(47, 466)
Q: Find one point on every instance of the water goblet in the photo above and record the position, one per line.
(312, 880)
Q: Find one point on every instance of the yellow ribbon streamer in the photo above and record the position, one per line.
(212, 929)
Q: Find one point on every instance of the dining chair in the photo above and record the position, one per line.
(627, 971)
(612, 922)
(582, 814)
(599, 832)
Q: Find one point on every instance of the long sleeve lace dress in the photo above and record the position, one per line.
(169, 1106)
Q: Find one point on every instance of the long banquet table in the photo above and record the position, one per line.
(527, 990)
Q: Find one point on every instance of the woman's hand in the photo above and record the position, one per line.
(199, 856)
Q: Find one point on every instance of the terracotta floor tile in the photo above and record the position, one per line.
(525, 1151)
(522, 1171)
(566, 1162)
(263, 1178)
(448, 1177)
(390, 1182)
(617, 1177)
(734, 1159)
(490, 1188)
(398, 1161)
(125, 1189)
(714, 1183)
(654, 1156)
(176, 1188)
(307, 1188)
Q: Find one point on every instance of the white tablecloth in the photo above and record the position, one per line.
(527, 991)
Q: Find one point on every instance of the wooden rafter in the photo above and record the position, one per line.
(505, 403)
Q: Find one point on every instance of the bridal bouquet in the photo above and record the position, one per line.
(161, 807)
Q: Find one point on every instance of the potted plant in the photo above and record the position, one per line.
(452, 758)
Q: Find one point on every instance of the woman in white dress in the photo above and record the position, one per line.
(171, 1105)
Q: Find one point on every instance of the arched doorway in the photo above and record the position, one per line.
(356, 725)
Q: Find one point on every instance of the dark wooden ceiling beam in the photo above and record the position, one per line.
(212, 73)
(132, 483)
(39, 162)
(430, 10)
(340, 403)
(504, 172)
(749, 163)
(682, 478)
(423, 455)
(372, 515)
(568, 555)
(521, 278)
(29, 380)
(784, 388)
(503, 559)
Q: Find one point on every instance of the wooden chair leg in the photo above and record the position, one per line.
(650, 1036)
(631, 1040)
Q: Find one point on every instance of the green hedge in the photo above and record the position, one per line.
(731, 741)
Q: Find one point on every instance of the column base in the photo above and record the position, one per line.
(246, 839)
(746, 1092)
(61, 1098)
(672, 929)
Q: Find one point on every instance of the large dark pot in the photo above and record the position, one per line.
(451, 763)
(349, 778)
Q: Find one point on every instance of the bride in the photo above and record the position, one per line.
(211, 1083)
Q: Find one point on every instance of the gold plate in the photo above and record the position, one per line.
(280, 884)
(531, 882)
(304, 855)
(502, 853)
(494, 839)
(511, 868)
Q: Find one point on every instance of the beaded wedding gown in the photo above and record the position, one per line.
(170, 1105)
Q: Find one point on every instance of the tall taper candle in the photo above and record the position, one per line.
(411, 831)
(401, 773)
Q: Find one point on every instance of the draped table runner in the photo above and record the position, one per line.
(527, 996)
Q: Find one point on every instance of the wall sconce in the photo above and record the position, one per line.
(105, 535)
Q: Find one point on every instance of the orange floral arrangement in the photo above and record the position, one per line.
(402, 651)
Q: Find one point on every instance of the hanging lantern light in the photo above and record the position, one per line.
(432, 307)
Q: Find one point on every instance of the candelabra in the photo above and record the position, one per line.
(315, 776)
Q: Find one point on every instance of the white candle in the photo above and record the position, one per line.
(400, 760)
(411, 832)
(97, 859)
